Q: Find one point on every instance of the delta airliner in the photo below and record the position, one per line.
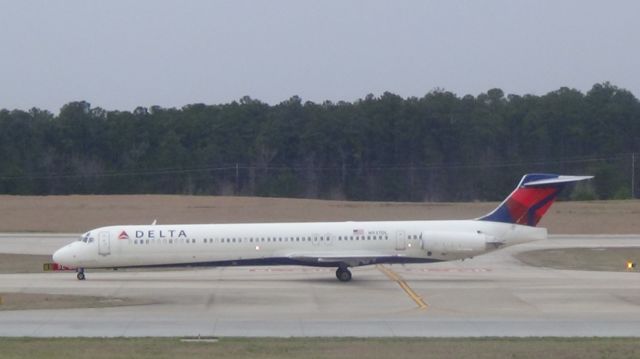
(327, 244)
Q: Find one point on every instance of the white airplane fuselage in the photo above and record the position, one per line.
(324, 244)
(327, 244)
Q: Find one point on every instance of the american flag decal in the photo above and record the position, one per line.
(358, 232)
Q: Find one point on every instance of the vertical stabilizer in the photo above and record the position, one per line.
(531, 199)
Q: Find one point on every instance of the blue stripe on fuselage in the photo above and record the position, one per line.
(282, 261)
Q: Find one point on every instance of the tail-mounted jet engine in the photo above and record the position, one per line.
(451, 244)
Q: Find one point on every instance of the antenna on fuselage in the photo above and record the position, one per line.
(154, 222)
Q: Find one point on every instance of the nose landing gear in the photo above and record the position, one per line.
(343, 274)
(80, 274)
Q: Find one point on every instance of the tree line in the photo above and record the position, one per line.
(439, 147)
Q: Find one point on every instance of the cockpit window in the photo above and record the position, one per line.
(86, 238)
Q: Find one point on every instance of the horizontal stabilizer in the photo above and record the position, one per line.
(557, 180)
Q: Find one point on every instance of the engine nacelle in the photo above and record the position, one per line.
(442, 243)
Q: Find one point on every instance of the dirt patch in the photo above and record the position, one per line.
(22, 263)
(23, 301)
(595, 259)
(77, 214)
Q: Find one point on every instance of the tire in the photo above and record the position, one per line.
(343, 274)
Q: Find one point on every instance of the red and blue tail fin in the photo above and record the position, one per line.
(531, 199)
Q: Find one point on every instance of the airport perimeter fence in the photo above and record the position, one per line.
(616, 177)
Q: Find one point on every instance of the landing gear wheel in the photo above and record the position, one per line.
(80, 275)
(343, 274)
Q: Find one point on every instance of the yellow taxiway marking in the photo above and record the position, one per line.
(403, 284)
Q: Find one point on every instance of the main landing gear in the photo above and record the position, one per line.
(343, 274)
(80, 274)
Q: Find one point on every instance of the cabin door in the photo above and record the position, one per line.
(104, 247)
(401, 241)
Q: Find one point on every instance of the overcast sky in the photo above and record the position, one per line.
(122, 54)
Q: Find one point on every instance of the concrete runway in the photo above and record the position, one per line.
(491, 295)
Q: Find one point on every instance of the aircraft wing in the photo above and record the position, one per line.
(351, 258)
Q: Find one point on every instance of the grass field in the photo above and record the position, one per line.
(396, 348)
(596, 259)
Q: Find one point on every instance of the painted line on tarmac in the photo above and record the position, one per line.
(403, 284)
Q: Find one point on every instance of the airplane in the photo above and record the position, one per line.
(340, 245)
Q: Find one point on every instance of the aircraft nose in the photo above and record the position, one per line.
(62, 256)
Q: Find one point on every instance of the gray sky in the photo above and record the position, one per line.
(119, 54)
